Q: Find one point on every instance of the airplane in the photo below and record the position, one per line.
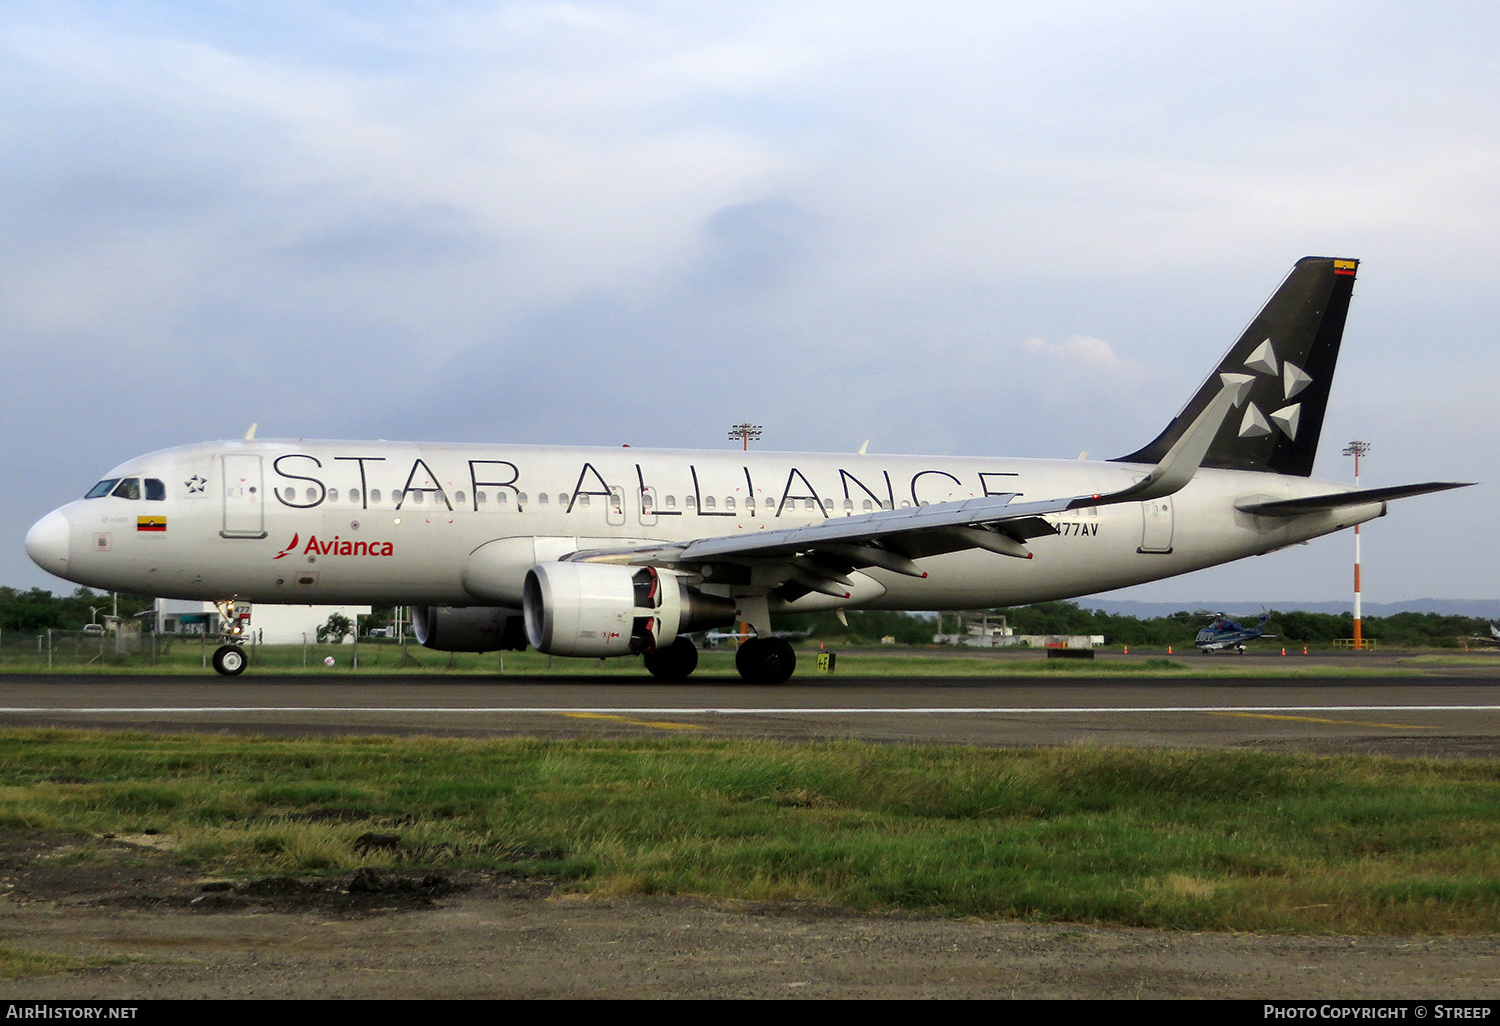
(1493, 639)
(1224, 633)
(597, 552)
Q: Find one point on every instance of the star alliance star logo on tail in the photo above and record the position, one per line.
(1294, 380)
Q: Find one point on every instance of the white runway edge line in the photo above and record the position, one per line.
(768, 711)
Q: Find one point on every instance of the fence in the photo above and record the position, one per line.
(82, 650)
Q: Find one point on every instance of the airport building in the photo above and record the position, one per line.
(270, 624)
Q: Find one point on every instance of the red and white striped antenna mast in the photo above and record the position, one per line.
(1357, 449)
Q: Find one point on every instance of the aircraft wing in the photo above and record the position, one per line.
(819, 557)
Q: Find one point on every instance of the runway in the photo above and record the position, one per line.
(1426, 716)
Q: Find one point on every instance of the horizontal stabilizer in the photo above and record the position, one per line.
(1338, 500)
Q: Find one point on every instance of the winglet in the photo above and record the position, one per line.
(1182, 461)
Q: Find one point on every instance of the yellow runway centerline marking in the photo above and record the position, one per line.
(1341, 723)
(634, 723)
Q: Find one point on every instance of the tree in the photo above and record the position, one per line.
(336, 629)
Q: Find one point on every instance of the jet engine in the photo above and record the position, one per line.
(601, 609)
(469, 628)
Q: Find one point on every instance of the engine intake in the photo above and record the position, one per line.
(600, 609)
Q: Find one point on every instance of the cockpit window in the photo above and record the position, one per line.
(102, 488)
(155, 490)
(128, 488)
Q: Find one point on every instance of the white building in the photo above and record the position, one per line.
(271, 624)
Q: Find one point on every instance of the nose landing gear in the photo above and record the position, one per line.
(234, 621)
(230, 660)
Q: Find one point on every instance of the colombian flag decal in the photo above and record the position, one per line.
(1345, 266)
(150, 523)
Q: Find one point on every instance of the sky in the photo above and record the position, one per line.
(976, 228)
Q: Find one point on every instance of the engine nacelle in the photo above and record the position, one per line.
(603, 609)
(469, 628)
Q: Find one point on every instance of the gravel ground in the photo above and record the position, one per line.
(139, 927)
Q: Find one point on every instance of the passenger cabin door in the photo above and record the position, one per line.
(244, 497)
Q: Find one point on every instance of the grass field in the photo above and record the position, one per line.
(1188, 840)
(192, 658)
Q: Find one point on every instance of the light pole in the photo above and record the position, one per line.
(1357, 449)
(745, 432)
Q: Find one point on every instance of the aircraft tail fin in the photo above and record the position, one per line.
(1285, 361)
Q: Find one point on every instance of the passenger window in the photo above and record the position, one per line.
(583, 500)
(807, 504)
(541, 498)
(375, 496)
(708, 502)
(500, 498)
(458, 498)
(397, 495)
(562, 498)
(690, 501)
(521, 498)
(102, 489)
(155, 490)
(130, 488)
(416, 497)
(354, 495)
(867, 507)
(312, 496)
(333, 495)
(729, 502)
(482, 497)
(849, 505)
(671, 502)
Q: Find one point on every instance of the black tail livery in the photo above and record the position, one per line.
(1286, 358)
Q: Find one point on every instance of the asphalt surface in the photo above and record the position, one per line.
(1450, 715)
(142, 931)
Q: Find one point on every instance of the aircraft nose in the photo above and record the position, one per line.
(47, 543)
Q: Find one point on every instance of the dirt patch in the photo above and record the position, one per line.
(134, 924)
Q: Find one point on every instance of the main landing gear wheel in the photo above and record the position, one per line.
(766, 661)
(673, 662)
(230, 660)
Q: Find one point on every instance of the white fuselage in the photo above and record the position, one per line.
(395, 523)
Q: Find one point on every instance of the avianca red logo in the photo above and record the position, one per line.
(337, 547)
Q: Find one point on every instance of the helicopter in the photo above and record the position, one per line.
(1225, 633)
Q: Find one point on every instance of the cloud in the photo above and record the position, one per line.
(577, 222)
(1086, 356)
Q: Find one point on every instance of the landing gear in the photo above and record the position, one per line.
(766, 661)
(234, 621)
(230, 660)
(673, 662)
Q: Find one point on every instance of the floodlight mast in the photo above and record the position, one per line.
(745, 433)
(1357, 449)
